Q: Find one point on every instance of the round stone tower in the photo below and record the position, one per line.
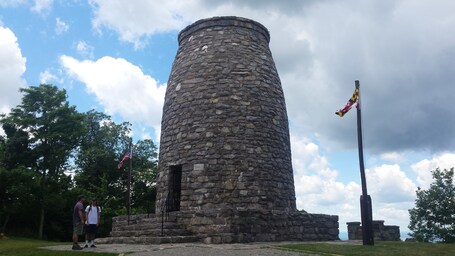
(225, 154)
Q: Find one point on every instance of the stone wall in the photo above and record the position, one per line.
(224, 120)
(381, 231)
(260, 226)
(249, 227)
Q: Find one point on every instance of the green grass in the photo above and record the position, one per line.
(380, 248)
(29, 247)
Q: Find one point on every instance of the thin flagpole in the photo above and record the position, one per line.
(129, 180)
(365, 199)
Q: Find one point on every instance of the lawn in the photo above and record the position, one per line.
(379, 249)
(29, 247)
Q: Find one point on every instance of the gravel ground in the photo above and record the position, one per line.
(194, 249)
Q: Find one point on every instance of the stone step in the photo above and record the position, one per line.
(167, 225)
(132, 222)
(148, 240)
(141, 221)
(150, 232)
(144, 218)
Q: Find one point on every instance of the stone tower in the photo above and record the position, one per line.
(225, 160)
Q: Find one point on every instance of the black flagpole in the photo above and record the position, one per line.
(365, 200)
(128, 209)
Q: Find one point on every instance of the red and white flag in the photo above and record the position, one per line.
(127, 156)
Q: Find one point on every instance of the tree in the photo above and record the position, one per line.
(96, 173)
(143, 176)
(18, 191)
(46, 130)
(44, 140)
(101, 144)
(102, 147)
(433, 217)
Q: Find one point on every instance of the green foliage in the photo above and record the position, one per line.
(16, 150)
(101, 144)
(433, 217)
(379, 249)
(19, 188)
(41, 133)
(102, 147)
(51, 153)
(143, 176)
(45, 127)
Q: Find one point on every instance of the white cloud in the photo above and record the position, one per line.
(48, 76)
(11, 3)
(146, 136)
(12, 67)
(349, 42)
(60, 26)
(303, 151)
(388, 184)
(393, 214)
(85, 50)
(424, 167)
(316, 186)
(393, 157)
(42, 6)
(135, 21)
(120, 87)
(319, 190)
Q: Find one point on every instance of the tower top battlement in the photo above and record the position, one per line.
(219, 22)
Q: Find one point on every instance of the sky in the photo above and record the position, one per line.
(115, 56)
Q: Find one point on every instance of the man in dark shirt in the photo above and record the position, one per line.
(78, 222)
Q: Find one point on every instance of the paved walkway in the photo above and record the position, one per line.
(194, 249)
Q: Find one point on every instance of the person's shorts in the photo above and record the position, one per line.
(91, 229)
(78, 229)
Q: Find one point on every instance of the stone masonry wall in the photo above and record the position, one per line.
(249, 227)
(224, 120)
(225, 125)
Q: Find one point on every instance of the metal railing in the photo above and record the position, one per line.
(165, 211)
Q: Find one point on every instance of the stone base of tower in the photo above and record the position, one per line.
(239, 227)
(261, 226)
(148, 229)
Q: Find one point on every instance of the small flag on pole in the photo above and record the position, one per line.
(353, 100)
(128, 155)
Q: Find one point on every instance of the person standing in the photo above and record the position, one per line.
(92, 216)
(78, 222)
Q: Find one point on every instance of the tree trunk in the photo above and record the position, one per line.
(41, 222)
(4, 224)
(42, 212)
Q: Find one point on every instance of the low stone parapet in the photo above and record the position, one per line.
(261, 226)
(240, 226)
(381, 232)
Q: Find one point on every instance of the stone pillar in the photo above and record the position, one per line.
(225, 123)
(354, 230)
(381, 231)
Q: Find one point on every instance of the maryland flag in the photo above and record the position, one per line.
(353, 100)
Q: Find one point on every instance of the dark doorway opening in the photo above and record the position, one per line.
(175, 188)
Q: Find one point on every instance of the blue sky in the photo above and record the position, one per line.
(116, 56)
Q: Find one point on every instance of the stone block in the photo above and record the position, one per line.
(198, 167)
